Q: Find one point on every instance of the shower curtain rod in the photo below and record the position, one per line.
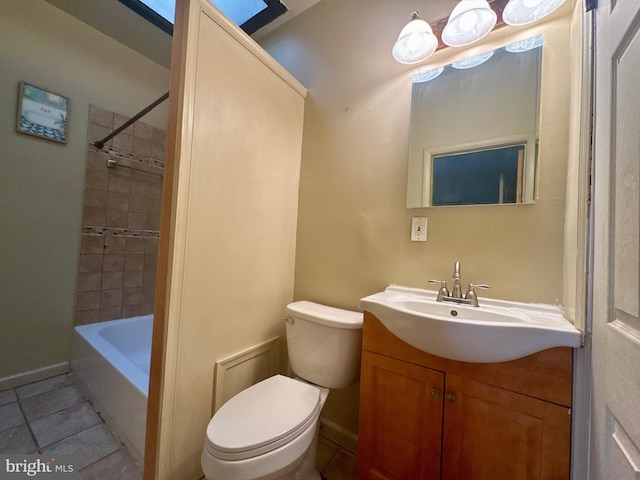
(99, 144)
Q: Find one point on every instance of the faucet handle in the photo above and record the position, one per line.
(479, 285)
(443, 291)
(471, 294)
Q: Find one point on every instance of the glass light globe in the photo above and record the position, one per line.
(469, 21)
(525, 45)
(474, 61)
(415, 43)
(427, 75)
(522, 12)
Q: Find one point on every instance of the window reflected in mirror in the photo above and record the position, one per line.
(479, 177)
(474, 129)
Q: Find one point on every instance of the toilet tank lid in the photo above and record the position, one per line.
(325, 315)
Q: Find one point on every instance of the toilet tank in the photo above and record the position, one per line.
(324, 343)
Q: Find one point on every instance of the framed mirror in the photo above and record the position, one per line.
(474, 129)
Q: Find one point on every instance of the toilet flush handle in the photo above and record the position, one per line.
(289, 320)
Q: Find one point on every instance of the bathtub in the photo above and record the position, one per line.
(110, 361)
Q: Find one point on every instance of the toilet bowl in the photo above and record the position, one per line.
(269, 431)
(264, 432)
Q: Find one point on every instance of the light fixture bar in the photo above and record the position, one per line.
(501, 9)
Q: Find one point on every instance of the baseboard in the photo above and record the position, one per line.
(31, 376)
(339, 435)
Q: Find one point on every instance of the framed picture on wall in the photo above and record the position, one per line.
(42, 113)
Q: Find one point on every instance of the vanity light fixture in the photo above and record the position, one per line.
(522, 12)
(416, 42)
(469, 21)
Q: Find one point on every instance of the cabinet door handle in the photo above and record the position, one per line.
(451, 397)
(435, 393)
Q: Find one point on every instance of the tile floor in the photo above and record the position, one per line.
(335, 462)
(53, 416)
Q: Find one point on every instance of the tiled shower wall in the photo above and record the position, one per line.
(121, 220)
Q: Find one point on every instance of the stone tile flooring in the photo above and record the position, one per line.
(335, 462)
(54, 417)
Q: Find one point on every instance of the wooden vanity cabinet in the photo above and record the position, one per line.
(401, 423)
(426, 417)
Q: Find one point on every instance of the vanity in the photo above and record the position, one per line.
(456, 391)
(423, 416)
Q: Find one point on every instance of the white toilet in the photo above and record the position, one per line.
(270, 430)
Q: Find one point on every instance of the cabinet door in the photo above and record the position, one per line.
(493, 434)
(400, 420)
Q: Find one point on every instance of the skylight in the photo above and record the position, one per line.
(250, 15)
(165, 8)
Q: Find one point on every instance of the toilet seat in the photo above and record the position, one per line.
(262, 418)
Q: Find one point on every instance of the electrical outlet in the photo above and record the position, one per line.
(419, 229)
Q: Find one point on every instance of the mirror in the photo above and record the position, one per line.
(474, 129)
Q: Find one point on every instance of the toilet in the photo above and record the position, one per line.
(270, 430)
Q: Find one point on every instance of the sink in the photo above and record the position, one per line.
(496, 331)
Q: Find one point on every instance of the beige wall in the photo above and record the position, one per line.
(233, 219)
(41, 182)
(353, 227)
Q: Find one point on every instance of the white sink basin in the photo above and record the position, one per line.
(496, 331)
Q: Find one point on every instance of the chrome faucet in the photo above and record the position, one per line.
(457, 291)
(469, 298)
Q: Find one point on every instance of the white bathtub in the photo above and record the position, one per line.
(110, 360)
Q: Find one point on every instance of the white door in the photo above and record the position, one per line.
(615, 452)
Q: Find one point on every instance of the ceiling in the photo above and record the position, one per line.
(127, 27)
(295, 7)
